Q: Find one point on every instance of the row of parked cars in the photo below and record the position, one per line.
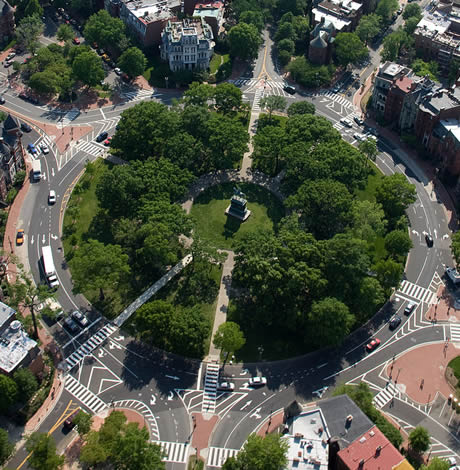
(76, 320)
(254, 382)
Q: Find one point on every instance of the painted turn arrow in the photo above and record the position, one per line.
(256, 414)
(153, 400)
(172, 377)
(246, 405)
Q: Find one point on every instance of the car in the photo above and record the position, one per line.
(20, 237)
(44, 148)
(346, 122)
(100, 51)
(102, 136)
(358, 120)
(395, 322)
(52, 197)
(373, 131)
(226, 387)
(257, 381)
(453, 275)
(25, 127)
(26, 60)
(76, 41)
(394, 18)
(373, 344)
(429, 240)
(72, 21)
(336, 89)
(71, 325)
(289, 89)
(117, 70)
(370, 136)
(8, 63)
(69, 423)
(451, 461)
(400, 10)
(359, 137)
(10, 55)
(107, 142)
(125, 77)
(32, 149)
(80, 318)
(2, 100)
(409, 308)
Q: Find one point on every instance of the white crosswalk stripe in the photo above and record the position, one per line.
(257, 98)
(145, 411)
(136, 95)
(339, 99)
(176, 452)
(417, 292)
(455, 333)
(208, 405)
(244, 81)
(90, 147)
(86, 348)
(218, 455)
(387, 394)
(83, 394)
(338, 126)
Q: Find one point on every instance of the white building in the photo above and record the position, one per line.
(187, 44)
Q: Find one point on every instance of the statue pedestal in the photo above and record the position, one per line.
(238, 209)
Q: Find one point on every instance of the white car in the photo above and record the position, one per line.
(359, 137)
(117, 70)
(346, 122)
(44, 148)
(226, 387)
(257, 381)
(370, 136)
(11, 55)
(52, 197)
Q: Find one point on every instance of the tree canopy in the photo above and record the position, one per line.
(43, 452)
(132, 62)
(349, 48)
(229, 338)
(368, 27)
(419, 439)
(87, 67)
(105, 30)
(244, 41)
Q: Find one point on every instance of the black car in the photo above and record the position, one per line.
(71, 325)
(102, 136)
(2, 100)
(25, 127)
(395, 322)
(429, 240)
(289, 89)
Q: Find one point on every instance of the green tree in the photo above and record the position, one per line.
(228, 98)
(28, 31)
(310, 75)
(65, 33)
(419, 439)
(9, 393)
(454, 69)
(132, 62)
(368, 27)
(371, 297)
(87, 67)
(96, 266)
(436, 464)
(6, 447)
(369, 148)
(260, 453)
(331, 321)
(273, 103)
(394, 43)
(411, 24)
(412, 9)
(32, 8)
(244, 41)
(423, 69)
(455, 246)
(198, 94)
(285, 31)
(104, 29)
(253, 17)
(43, 452)
(269, 145)
(301, 107)
(398, 244)
(395, 194)
(46, 82)
(26, 382)
(349, 49)
(386, 8)
(286, 45)
(83, 421)
(389, 273)
(229, 338)
(368, 220)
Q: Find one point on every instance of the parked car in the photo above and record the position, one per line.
(107, 141)
(69, 423)
(32, 149)
(409, 308)
(8, 63)
(429, 240)
(226, 387)
(346, 122)
(358, 120)
(102, 136)
(52, 197)
(289, 89)
(76, 41)
(453, 275)
(25, 127)
(11, 55)
(44, 148)
(2, 100)
(117, 71)
(20, 237)
(375, 343)
(395, 322)
(359, 137)
(257, 381)
(71, 325)
(80, 318)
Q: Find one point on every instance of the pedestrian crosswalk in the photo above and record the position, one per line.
(175, 452)
(218, 455)
(208, 405)
(136, 95)
(108, 124)
(69, 117)
(455, 333)
(86, 348)
(338, 99)
(417, 292)
(267, 87)
(92, 148)
(384, 396)
(84, 395)
(145, 411)
(257, 98)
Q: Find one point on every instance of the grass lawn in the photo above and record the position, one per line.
(216, 61)
(213, 225)
(454, 364)
(155, 71)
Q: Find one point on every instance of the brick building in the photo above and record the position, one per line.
(6, 21)
(212, 12)
(321, 41)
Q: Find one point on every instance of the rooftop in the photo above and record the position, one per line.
(391, 70)
(404, 83)
(189, 27)
(371, 451)
(440, 100)
(339, 23)
(151, 10)
(453, 126)
(308, 447)
(15, 344)
(436, 21)
(6, 313)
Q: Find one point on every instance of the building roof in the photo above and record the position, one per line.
(324, 25)
(320, 41)
(188, 27)
(404, 465)
(339, 23)
(6, 313)
(441, 99)
(371, 451)
(10, 123)
(336, 410)
(15, 345)
(149, 11)
(452, 126)
(404, 83)
(436, 21)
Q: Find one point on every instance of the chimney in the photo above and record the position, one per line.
(322, 19)
(361, 463)
(378, 450)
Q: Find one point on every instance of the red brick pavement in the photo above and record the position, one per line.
(420, 378)
(444, 309)
(203, 430)
(271, 423)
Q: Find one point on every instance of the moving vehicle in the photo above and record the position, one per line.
(81, 319)
(107, 141)
(71, 325)
(289, 89)
(374, 344)
(409, 308)
(226, 387)
(117, 70)
(32, 149)
(36, 170)
(20, 237)
(52, 197)
(358, 121)
(429, 240)
(44, 148)
(48, 267)
(395, 322)
(102, 136)
(257, 381)
(25, 127)
(346, 122)
(69, 423)
(453, 275)
(359, 137)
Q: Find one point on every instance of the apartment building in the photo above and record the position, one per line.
(212, 11)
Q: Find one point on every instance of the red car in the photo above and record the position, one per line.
(375, 343)
(76, 41)
(107, 142)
